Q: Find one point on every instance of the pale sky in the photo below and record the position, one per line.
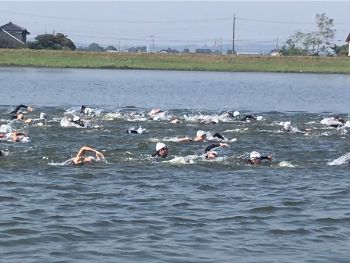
(174, 22)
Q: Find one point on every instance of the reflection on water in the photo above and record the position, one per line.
(176, 89)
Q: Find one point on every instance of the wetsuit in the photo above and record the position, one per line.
(82, 110)
(79, 122)
(218, 135)
(211, 146)
(132, 131)
(248, 117)
(157, 155)
(16, 110)
(342, 122)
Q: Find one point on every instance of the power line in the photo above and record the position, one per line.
(273, 21)
(167, 21)
(285, 22)
(120, 21)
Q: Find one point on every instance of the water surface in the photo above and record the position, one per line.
(134, 208)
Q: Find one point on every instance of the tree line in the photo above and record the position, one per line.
(314, 43)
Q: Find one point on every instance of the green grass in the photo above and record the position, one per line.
(70, 59)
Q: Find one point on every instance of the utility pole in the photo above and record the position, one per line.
(233, 34)
(152, 36)
(220, 45)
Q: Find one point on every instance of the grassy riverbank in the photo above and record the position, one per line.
(69, 59)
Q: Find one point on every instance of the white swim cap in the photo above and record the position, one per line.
(42, 115)
(160, 146)
(200, 133)
(286, 125)
(88, 111)
(255, 155)
(76, 118)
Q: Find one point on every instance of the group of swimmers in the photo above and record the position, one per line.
(88, 155)
(162, 151)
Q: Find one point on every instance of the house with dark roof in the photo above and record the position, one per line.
(348, 41)
(13, 36)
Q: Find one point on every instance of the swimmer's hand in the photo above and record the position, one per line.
(269, 157)
(224, 145)
(99, 155)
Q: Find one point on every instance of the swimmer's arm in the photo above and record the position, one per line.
(15, 136)
(89, 149)
(185, 139)
(211, 146)
(266, 157)
(21, 106)
(99, 155)
(81, 153)
(18, 107)
(218, 135)
(215, 145)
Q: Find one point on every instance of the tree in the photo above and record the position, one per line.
(111, 48)
(291, 49)
(65, 42)
(51, 41)
(325, 33)
(95, 47)
(341, 50)
(312, 43)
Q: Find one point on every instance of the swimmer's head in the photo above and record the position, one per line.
(42, 116)
(161, 149)
(211, 155)
(88, 159)
(88, 111)
(286, 125)
(201, 133)
(160, 146)
(254, 155)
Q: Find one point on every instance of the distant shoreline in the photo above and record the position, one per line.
(182, 62)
